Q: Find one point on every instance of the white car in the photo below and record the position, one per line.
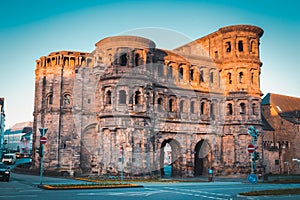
(9, 158)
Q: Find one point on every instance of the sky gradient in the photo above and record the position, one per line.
(31, 29)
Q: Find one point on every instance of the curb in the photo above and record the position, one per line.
(79, 187)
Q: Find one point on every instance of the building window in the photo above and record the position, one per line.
(216, 55)
(108, 97)
(229, 78)
(201, 76)
(229, 109)
(123, 60)
(180, 74)
(252, 46)
(212, 111)
(49, 100)
(242, 108)
(240, 46)
(211, 75)
(67, 99)
(171, 105)
(122, 97)
(170, 72)
(191, 74)
(192, 107)
(228, 47)
(136, 59)
(254, 109)
(203, 108)
(241, 75)
(252, 78)
(182, 106)
(137, 98)
(160, 103)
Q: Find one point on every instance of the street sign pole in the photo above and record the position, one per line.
(251, 149)
(122, 172)
(43, 132)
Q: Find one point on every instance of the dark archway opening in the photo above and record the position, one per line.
(202, 158)
(170, 159)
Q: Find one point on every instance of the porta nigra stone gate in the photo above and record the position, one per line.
(188, 108)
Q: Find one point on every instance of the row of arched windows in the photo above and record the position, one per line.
(66, 99)
(202, 107)
(194, 74)
(242, 109)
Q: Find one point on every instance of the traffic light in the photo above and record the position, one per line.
(255, 155)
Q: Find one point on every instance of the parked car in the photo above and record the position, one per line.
(9, 158)
(4, 172)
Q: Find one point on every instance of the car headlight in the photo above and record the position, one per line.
(7, 172)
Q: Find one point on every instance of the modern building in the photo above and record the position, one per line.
(15, 138)
(281, 129)
(199, 98)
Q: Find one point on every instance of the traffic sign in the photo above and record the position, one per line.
(252, 178)
(43, 140)
(43, 131)
(251, 148)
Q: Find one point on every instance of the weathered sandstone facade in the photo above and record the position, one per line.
(199, 98)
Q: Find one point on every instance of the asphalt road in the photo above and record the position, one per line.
(25, 187)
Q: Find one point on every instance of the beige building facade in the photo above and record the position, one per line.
(129, 99)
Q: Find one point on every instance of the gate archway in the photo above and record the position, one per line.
(171, 167)
(202, 160)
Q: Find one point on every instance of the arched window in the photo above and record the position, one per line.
(160, 103)
(108, 97)
(137, 98)
(182, 106)
(240, 46)
(191, 74)
(136, 59)
(252, 78)
(203, 108)
(252, 46)
(229, 78)
(123, 59)
(49, 100)
(180, 73)
(170, 72)
(212, 111)
(201, 76)
(242, 108)
(229, 109)
(171, 105)
(228, 47)
(192, 107)
(254, 109)
(211, 75)
(122, 97)
(67, 99)
(241, 75)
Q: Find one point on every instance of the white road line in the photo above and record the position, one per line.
(18, 196)
(183, 192)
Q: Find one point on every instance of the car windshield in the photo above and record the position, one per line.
(8, 156)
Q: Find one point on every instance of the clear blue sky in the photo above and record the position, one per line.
(31, 29)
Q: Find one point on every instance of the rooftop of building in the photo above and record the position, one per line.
(286, 106)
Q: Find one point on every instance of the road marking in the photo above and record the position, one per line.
(183, 192)
(18, 196)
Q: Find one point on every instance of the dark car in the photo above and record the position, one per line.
(4, 172)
